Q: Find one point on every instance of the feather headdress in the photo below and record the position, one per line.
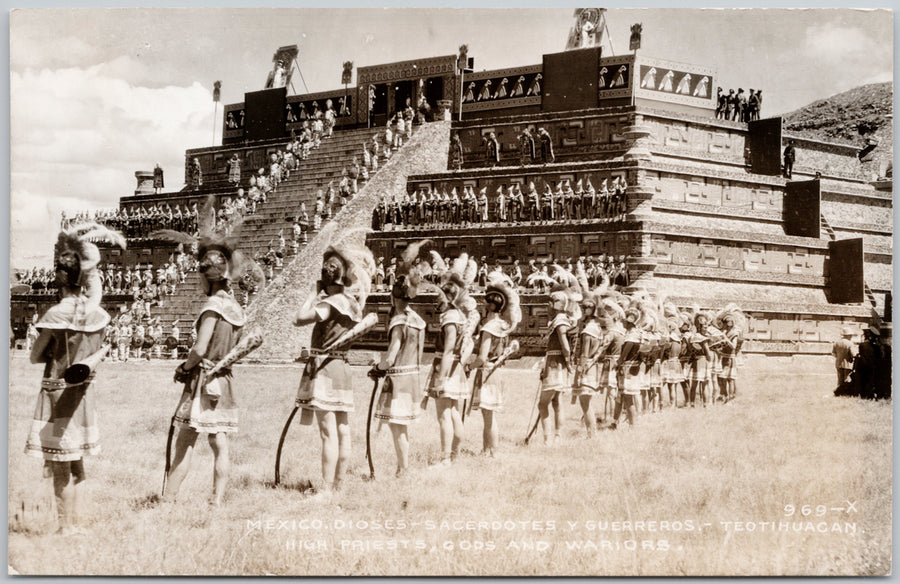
(80, 239)
(540, 278)
(568, 284)
(733, 311)
(411, 273)
(438, 265)
(462, 272)
(510, 310)
(360, 269)
(210, 236)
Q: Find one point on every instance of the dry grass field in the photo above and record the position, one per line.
(685, 492)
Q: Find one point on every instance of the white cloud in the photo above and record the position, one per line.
(830, 42)
(78, 136)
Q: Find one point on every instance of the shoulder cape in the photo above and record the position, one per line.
(224, 304)
(71, 314)
(496, 327)
(345, 304)
(452, 316)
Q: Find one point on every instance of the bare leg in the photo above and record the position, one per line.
(330, 445)
(544, 413)
(78, 477)
(64, 489)
(491, 434)
(443, 407)
(181, 461)
(401, 447)
(450, 422)
(221, 467)
(557, 414)
(343, 434)
(587, 412)
(631, 402)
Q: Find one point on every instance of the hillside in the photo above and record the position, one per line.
(853, 117)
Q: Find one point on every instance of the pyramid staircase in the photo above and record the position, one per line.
(282, 205)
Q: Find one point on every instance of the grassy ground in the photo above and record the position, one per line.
(662, 498)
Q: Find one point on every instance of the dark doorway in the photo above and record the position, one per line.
(845, 271)
(434, 91)
(801, 208)
(404, 90)
(764, 142)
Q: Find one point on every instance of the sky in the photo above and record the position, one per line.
(97, 94)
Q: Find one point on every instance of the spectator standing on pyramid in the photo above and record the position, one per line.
(790, 155)
(196, 174)
(456, 153)
(158, 181)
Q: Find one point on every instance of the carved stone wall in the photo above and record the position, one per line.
(828, 158)
(696, 138)
(574, 139)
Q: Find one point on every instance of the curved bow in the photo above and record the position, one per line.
(377, 379)
(281, 444)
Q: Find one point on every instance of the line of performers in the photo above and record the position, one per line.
(511, 205)
(600, 341)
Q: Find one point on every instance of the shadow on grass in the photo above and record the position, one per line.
(303, 486)
(145, 503)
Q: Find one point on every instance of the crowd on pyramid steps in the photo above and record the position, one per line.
(511, 205)
(137, 221)
(139, 280)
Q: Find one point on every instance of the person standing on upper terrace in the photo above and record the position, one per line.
(234, 170)
(329, 119)
(491, 149)
(526, 146)
(158, 182)
(196, 174)
(546, 146)
(790, 155)
(752, 106)
(456, 153)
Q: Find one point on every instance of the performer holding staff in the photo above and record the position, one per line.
(401, 395)
(459, 317)
(503, 316)
(672, 368)
(558, 367)
(632, 370)
(587, 373)
(70, 334)
(611, 348)
(699, 360)
(728, 349)
(208, 405)
(326, 388)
